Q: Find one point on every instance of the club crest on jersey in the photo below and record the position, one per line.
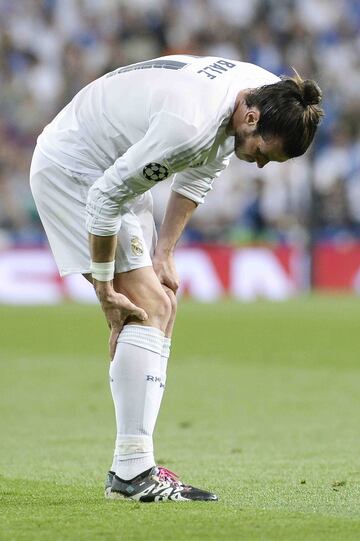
(137, 247)
(155, 172)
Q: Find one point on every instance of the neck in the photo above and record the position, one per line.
(239, 106)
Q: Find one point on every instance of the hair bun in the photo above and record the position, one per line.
(311, 93)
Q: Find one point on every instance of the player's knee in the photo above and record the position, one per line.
(156, 304)
(143, 288)
(161, 306)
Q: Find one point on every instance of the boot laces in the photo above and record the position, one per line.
(167, 475)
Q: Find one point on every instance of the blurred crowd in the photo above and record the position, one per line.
(50, 49)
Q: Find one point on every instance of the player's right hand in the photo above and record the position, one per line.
(117, 308)
(165, 270)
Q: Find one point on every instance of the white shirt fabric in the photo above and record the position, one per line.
(139, 124)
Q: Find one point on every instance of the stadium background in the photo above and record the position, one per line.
(50, 49)
(262, 403)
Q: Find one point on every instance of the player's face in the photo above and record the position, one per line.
(253, 148)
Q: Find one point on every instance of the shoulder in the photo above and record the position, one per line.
(195, 94)
(253, 75)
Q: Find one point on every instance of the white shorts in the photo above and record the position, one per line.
(60, 196)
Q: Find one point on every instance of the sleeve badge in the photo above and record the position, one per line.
(155, 172)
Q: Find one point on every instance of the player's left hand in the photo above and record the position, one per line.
(165, 270)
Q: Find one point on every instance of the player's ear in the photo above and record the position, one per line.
(252, 117)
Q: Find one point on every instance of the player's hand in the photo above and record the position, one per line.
(165, 270)
(117, 308)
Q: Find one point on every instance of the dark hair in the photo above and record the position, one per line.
(289, 109)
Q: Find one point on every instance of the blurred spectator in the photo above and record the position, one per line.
(49, 49)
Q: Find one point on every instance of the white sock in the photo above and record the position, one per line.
(135, 381)
(165, 354)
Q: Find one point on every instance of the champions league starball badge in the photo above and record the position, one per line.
(155, 172)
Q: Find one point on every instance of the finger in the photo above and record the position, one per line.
(171, 284)
(176, 285)
(135, 311)
(114, 335)
(167, 290)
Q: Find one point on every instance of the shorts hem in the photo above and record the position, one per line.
(64, 273)
(126, 268)
(132, 267)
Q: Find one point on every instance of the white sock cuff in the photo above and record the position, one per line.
(132, 445)
(166, 347)
(144, 337)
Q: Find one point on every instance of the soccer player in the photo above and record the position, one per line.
(90, 176)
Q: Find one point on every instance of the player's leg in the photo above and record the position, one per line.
(137, 379)
(127, 284)
(136, 372)
(137, 280)
(137, 240)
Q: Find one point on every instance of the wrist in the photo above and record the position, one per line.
(102, 272)
(104, 291)
(164, 252)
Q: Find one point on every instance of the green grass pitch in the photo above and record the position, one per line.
(262, 406)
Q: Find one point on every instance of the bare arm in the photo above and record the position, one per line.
(102, 249)
(178, 212)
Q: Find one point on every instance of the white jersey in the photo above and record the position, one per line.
(141, 123)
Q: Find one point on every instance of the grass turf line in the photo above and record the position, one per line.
(262, 406)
